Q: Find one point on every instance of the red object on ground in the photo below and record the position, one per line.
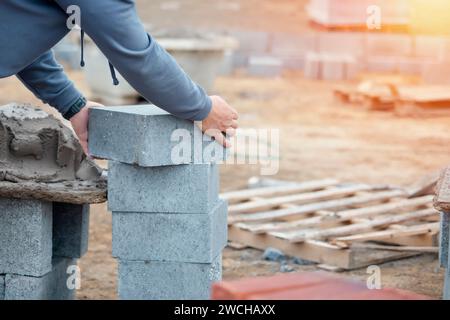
(305, 286)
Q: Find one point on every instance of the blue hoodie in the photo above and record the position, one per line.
(30, 28)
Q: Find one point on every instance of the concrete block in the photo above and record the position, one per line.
(25, 237)
(382, 64)
(70, 230)
(436, 73)
(350, 43)
(432, 47)
(400, 45)
(52, 286)
(148, 136)
(254, 42)
(240, 60)
(291, 44)
(196, 238)
(294, 63)
(444, 239)
(2, 287)
(333, 68)
(412, 66)
(313, 66)
(264, 66)
(156, 280)
(171, 189)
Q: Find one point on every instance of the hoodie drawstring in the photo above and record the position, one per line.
(82, 64)
(111, 67)
(113, 74)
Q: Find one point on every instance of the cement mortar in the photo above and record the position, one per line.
(35, 147)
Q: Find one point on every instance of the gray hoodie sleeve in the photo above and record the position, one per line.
(47, 80)
(116, 29)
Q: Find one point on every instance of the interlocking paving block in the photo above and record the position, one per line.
(149, 137)
(444, 239)
(195, 238)
(157, 280)
(174, 189)
(70, 230)
(52, 286)
(25, 237)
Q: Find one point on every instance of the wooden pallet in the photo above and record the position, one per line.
(334, 224)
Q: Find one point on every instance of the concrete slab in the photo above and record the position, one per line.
(25, 237)
(156, 280)
(70, 230)
(170, 189)
(195, 238)
(159, 139)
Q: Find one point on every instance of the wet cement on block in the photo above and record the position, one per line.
(197, 238)
(148, 137)
(70, 230)
(170, 189)
(25, 237)
(52, 286)
(155, 280)
(37, 150)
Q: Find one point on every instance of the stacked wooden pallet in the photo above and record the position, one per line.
(334, 224)
(403, 100)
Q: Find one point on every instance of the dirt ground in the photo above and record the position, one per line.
(319, 139)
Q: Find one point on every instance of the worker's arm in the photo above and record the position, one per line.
(116, 29)
(47, 80)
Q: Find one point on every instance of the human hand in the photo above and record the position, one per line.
(221, 120)
(80, 124)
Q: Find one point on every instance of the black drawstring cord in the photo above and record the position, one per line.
(113, 74)
(82, 64)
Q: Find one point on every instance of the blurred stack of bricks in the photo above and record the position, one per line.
(330, 54)
(169, 225)
(40, 243)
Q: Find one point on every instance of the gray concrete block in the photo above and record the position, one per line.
(149, 137)
(155, 280)
(444, 239)
(196, 238)
(70, 230)
(25, 237)
(52, 286)
(171, 189)
(265, 66)
(292, 44)
(2, 287)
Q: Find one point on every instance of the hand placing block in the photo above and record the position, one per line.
(197, 238)
(159, 280)
(170, 189)
(149, 137)
(25, 237)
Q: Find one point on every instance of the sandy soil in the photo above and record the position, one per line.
(319, 139)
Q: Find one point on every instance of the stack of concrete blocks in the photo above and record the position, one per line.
(444, 249)
(40, 243)
(169, 225)
(331, 67)
(345, 13)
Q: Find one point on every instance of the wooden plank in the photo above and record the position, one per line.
(342, 216)
(317, 251)
(302, 198)
(387, 234)
(313, 207)
(303, 235)
(241, 195)
(396, 248)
